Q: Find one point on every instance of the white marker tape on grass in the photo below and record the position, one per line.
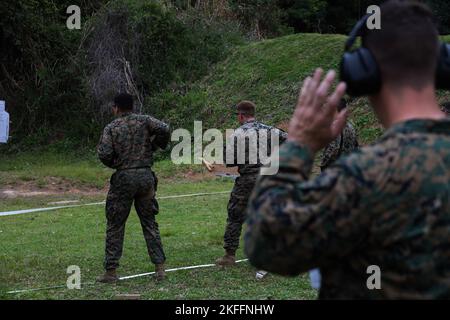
(40, 289)
(192, 195)
(123, 278)
(175, 269)
(10, 213)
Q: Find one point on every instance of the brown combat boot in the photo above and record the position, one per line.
(229, 259)
(160, 272)
(110, 276)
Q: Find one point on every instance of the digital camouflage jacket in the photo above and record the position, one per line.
(130, 141)
(386, 205)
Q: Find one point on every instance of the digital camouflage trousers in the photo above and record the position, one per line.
(126, 186)
(237, 207)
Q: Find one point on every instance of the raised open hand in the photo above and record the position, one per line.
(316, 121)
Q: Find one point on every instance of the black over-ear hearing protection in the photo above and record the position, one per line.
(360, 70)
(443, 68)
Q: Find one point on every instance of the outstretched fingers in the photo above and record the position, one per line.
(339, 123)
(315, 121)
(303, 92)
(312, 88)
(324, 88)
(334, 100)
(339, 119)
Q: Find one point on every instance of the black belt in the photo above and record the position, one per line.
(146, 167)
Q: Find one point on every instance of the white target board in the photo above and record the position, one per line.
(4, 123)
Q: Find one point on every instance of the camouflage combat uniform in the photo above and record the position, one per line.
(346, 143)
(127, 145)
(446, 109)
(248, 173)
(386, 205)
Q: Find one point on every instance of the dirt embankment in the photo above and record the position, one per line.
(45, 187)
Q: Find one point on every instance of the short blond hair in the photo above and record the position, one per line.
(247, 108)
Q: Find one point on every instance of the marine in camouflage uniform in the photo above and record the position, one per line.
(248, 174)
(385, 205)
(346, 143)
(356, 213)
(127, 145)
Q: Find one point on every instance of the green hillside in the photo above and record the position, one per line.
(268, 73)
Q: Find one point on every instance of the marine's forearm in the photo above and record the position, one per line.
(271, 232)
(107, 160)
(297, 223)
(162, 139)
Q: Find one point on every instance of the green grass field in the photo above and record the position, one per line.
(37, 248)
(84, 170)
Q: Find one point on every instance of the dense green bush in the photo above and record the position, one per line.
(175, 50)
(272, 17)
(46, 70)
(40, 77)
(261, 18)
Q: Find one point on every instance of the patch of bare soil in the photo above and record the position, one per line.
(49, 186)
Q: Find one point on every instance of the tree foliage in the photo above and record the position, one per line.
(47, 72)
(338, 16)
(58, 82)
